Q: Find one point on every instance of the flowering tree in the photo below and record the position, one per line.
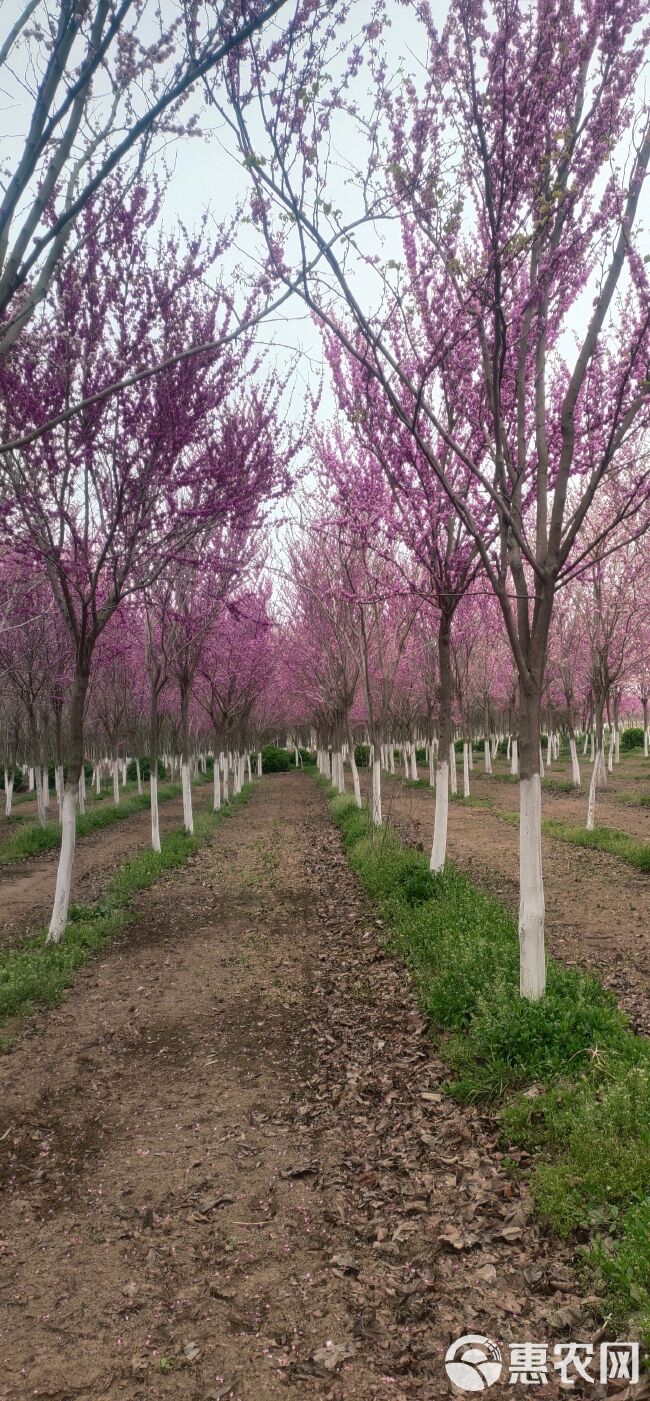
(103, 503)
(516, 166)
(73, 138)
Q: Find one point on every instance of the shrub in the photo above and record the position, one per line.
(307, 756)
(145, 769)
(632, 738)
(421, 755)
(275, 759)
(362, 755)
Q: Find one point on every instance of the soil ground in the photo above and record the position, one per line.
(228, 1167)
(27, 886)
(598, 908)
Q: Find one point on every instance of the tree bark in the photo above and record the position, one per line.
(532, 963)
(68, 812)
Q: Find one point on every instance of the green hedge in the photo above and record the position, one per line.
(276, 760)
(632, 738)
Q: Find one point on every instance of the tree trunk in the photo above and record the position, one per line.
(188, 815)
(440, 821)
(414, 763)
(68, 812)
(356, 786)
(465, 769)
(376, 792)
(153, 767)
(532, 965)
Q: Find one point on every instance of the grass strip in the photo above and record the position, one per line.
(33, 839)
(35, 973)
(568, 1078)
(632, 850)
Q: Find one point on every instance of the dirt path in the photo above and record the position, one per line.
(27, 886)
(598, 909)
(565, 807)
(229, 1169)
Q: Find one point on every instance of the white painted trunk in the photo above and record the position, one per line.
(116, 781)
(452, 770)
(155, 815)
(340, 772)
(471, 755)
(40, 805)
(432, 766)
(46, 787)
(391, 758)
(617, 746)
(601, 769)
(610, 755)
(138, 777)
(593, 747)
(549, 749)
(248, 766)
(355, 779)
(575, 767)
(439, 844)
(508, 748)
(514, 757)
(216, 787)
(645, 744)
(414, 763)
(591, 800)
(30, 780)
(296, 754)
(259, 763)
(64, 872)
(376, 793)
(465, 770)
(226, 793)
(488, 756)
(9, 793)
(98, 779)
(405, 761)
(532, 966)
(188, 815)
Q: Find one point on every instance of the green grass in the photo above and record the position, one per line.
(35, 973)
(563, 786)
(32, 839)
(631, 850)
(568, 1078)
(635, 800)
